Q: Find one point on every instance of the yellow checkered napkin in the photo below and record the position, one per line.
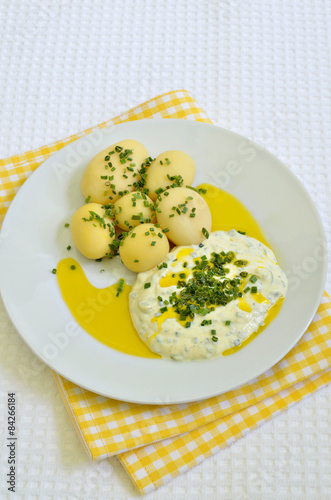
(156, 443)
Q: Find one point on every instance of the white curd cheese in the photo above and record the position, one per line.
(239, 275)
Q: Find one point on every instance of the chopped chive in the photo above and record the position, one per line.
(163, 309)
(241, 263)
(87, 200)
(66, 224)
(187, 324)
(73, 267)
(153, 243)
(228, 323)
(230, 256)
(203, 311)
(54, 271)
(147, 285)
(253, 278)
(69, 247)
(254, 289)
(120, 287)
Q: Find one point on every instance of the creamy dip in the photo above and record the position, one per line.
(204, 299)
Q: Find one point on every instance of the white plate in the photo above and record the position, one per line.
(33, 240)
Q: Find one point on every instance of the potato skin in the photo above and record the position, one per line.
(133, 205)
(184, 229)
(170, 163)
(122, 179)
(89, 237)
(138, 254)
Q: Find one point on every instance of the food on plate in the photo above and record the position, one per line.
(185, 214)
(172, 168)
(144, 247)
(113, 172)
(207, 298)
(92, 230)
(133, 209)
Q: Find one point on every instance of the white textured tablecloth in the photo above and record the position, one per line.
(258, 67)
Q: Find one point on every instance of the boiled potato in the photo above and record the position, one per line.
(184, 213)
(161, 174)
(113, 171)
(144, 248)
(133, 209)
(92, 232)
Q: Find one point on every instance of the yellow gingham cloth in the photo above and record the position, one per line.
(156, 443)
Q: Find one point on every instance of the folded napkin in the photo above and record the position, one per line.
(156, 443)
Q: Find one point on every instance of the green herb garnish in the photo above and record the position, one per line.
(120, 287)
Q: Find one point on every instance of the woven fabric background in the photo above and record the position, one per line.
(258, 67)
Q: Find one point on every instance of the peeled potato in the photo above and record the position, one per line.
(109, 175)
(185, 227)
(146, 249)
(133, 209)
(93, 236)
(163, 169)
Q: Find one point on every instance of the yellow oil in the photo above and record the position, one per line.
(229, 213)
(99, 311)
